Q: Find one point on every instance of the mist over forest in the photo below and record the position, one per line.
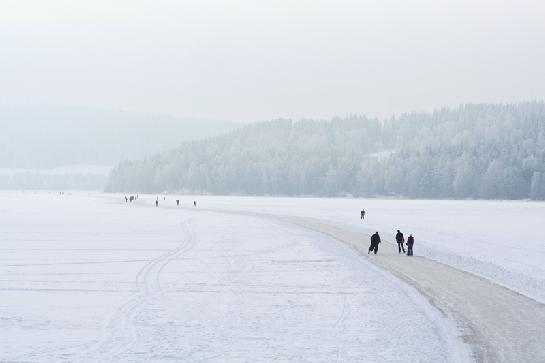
(485, 151)
(44, 137)
(54, 147)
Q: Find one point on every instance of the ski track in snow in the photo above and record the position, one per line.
(121, 331)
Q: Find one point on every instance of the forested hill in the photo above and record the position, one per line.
(473, 151)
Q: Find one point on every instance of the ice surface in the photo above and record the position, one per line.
(91, 278)
(503, 241)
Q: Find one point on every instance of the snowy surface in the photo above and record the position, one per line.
(503, 241)
(88, 278)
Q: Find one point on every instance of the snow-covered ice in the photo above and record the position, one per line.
(88, 278)
(503, 241)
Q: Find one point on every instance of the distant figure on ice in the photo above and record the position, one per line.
(194, 203)
(156, 202)
(400, 240)
(178, 202)
(362, 214)
(410, 243)
(126, 199)
(375, 240)
(131, 198)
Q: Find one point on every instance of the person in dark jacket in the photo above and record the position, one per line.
(156, 202)
(178, 202)
(375, 240)
(410, 243)
(400, 240)
(362, 214)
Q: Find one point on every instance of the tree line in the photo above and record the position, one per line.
(479, 151)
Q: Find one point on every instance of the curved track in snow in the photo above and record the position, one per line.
(120, 331)
(499, 325)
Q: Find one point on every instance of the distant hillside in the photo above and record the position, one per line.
(474, 151)
(52, 137)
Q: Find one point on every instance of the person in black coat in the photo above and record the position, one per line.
(400, 240)
(410, 243)
(375, 240)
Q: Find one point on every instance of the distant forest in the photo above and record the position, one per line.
(474, 151)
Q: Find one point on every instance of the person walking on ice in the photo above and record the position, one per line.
(400, 240)
(410, 243)
(156, 202)
(362, 214)
(375, 240)
(194, 203)
(178, 202)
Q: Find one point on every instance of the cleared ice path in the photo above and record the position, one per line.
(85, 279)
(499, 325)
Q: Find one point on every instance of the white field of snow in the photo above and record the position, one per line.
(503, 241)
(90, 278)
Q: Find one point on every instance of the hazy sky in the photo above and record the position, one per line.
(256, 60)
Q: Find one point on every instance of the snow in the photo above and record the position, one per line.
(503, 241)
(91, 278)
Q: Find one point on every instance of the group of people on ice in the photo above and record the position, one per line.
(177, 202)
(134, 198)
(400, 239)
(131, 199)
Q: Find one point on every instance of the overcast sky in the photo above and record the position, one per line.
(255, 60)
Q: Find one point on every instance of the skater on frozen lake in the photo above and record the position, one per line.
(400, 240)
(375, 240)
(410, 243)
(156, 202)
(362, 214)
(178, 202)
(194, 203)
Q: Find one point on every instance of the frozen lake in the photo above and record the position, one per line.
(91, 278)
(503, 241)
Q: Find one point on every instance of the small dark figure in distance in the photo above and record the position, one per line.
(375, 240)
(362, 214)
(410, 243)
(194, 203)
(178, 202)
(156, 202)
(131, 199)
(126, 199)
(400, 240)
